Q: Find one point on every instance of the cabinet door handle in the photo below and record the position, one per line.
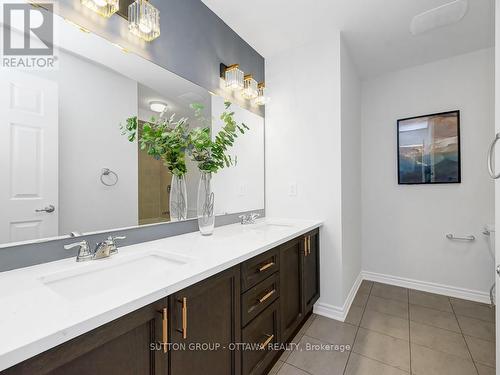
(184, 318)
(266, 343)
(267, 295)
(309, 244)
(164, 326)
(266, 266)
(305, 246)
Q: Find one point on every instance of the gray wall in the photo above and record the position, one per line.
(193, 43)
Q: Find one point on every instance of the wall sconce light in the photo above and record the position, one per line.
(105, 8)
(144, 20)
(261, 99)
(234, 77)
(250, 90)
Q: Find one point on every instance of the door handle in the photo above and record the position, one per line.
(164, 329)
(498, 270)
(491, 154)
(184, 318)
(49, 209)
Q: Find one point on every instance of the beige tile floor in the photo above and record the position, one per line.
(397, 331)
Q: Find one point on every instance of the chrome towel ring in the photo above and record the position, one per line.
(109, 172)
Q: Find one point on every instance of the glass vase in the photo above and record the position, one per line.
(205, 205)
(178, 198)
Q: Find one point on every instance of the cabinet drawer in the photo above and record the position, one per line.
(258, 268)
(262, 330)
(258, 298)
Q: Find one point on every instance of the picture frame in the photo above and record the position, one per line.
(428, 149)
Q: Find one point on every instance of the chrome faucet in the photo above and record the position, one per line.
(248, 218)
(102, 250)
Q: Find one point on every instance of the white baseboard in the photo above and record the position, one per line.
(335, 312)
(425, 286)
(340, 312)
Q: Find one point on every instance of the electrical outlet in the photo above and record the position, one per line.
(292, 189)
(242, 190)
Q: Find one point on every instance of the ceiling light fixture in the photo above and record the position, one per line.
(250, 89)
(144, 20)
(443, 15)
(261, 99)
(157, 106)
(105, 8)
(234, 77)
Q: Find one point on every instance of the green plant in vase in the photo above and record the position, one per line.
(166, 140)
(211, 155)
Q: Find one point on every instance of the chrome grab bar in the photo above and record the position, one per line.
(464, 238)
(491, 155)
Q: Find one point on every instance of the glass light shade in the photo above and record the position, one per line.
(234, 77)
(261, 98)
(105, 8)
(144, 20)
(250, 90)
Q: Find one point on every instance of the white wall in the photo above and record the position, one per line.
(350, 85)
(240, 187)
(404, 227)
(93, 101)
(303, 148)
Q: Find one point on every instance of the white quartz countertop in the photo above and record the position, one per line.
(43, 306)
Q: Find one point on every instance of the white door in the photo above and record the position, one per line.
(28, 157)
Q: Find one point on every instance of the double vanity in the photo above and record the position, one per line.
(169, 301)
(185, 304)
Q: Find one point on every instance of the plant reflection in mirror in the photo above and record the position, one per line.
(165, 139)
(211, 155)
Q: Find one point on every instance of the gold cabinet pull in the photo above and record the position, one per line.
(309, 244)
(266, 266)
(267, 295)
(184, 318)
(164, 328)
(305, 246)
(266, 343)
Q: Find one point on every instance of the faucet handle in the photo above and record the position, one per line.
(254, 215)
(84, 252)
(111, 241)
(82, 244)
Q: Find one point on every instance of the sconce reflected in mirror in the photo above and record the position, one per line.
(144, 20)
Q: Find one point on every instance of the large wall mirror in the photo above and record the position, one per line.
(65, 165)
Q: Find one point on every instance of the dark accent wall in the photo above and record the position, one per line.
(193, 44)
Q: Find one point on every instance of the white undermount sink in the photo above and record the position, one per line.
(262, 226)
(99, 276)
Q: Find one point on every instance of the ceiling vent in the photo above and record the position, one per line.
(443, 15)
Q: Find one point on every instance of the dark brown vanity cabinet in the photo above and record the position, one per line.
(223, 325)
(299, 280)
(291, 282)
(122, 346)
(205, 321)
(311, 269)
